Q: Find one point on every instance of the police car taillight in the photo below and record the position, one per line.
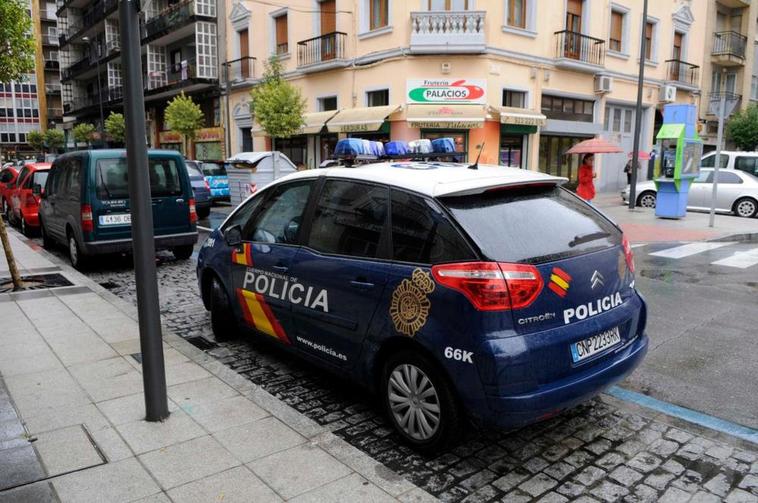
(492, 286)
(628, 254)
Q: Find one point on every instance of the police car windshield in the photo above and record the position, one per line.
(532, 224)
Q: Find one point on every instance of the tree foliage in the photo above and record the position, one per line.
(36, 140)
(83, 132)
(116, 127)
(277, 105)
(184, 116)
(55, 139)
(742, 128)
(17, 44)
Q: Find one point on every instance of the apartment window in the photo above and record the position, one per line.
(516, 13)
(327, 103)
(206, 7)
(516, 99)
(207, 58)
(616, 37)
(280, 27)
(377, 98)
(448, 4)
(676, 51)
(567, 109)
(754, 88)
(378, 14)
(649, 31)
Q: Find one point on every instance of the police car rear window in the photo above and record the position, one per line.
(532, 224)
(112, 178)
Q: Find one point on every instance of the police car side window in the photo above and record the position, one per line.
(242, 216)
(349, 219)
(423, 234)
(280, 216)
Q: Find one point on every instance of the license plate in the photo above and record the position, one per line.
(596, 344)
(116, 219)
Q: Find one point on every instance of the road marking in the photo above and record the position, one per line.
(206, 229)
(740, 260)
(689, 249)
(689, 415)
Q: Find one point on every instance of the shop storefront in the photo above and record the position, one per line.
(170, 140)
(209, 144)
(517, 124)
(553, 159)
(369, 123)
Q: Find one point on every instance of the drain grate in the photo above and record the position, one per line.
(201, 342)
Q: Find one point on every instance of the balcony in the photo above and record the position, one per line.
(434, 32)
(52, 64)
(109, 96)
(578, 51)
(729, 48)
(188, 76)
(50, 39)
(321, 53)
(240, 71)
(175, 17)
(682, 72)
(113, 46)
(54, 113)
(90, 17)
(52, 88)
(48, 17)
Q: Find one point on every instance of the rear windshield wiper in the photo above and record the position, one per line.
(587, 238)
(102, 182)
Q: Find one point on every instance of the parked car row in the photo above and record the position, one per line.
(20, 204)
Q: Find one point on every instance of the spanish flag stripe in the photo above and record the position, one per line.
(559, 281)
(555, 288)
(248, 255)
(562, 274)
(278, 330)
(245, 308)
(260, 319)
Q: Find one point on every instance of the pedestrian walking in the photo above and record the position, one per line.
(586, 187)
(628, 170)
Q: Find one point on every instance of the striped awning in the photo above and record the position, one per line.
(353, 120)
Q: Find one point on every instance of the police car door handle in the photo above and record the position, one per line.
(361, 284)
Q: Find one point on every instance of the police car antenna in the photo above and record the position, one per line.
(476, 163)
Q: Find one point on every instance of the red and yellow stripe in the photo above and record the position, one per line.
(258, 315)
(243, 256)
(559, 282)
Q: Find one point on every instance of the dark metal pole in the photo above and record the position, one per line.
(228, 135)
(151, 341)
(638, 113)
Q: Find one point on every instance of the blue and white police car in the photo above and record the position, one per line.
(488, 293)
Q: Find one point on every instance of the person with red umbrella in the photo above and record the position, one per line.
(586, 175)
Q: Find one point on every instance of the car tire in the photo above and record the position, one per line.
(420, 401)
(646, 199)
(75, 255)
(745, 207)
(5, 209)
(182, 252)
(203, 212)
(25, 229)
(47, 242)
(222, 318)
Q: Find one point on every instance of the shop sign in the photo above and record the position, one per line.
(524, 120)
(209, 134)
(169, 137)
(358, 128)
(446, 124)
(446, 91)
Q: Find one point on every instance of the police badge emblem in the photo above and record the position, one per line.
(410, 304)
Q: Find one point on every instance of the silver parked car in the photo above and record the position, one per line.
(737, 193)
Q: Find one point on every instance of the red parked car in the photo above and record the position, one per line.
(8, 176)
(24, 203)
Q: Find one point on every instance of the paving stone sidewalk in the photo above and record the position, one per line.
(72, 427)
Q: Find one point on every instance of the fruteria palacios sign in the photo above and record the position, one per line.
(431, 91)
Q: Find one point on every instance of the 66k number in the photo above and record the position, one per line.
(458, 354)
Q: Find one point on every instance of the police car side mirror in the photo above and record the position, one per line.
(233, 235)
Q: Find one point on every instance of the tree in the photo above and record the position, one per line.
(16, 59)
(116, 127)
(36, 140)
(277, 105)
(742, 128)
(55, 139)
(17, 44)
(83, 133)
(185, 117)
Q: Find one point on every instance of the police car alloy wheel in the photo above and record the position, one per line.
(222, 318)
(419, 401)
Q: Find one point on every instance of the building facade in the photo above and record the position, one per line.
(522, 80)
(730, 67)
(180, 53)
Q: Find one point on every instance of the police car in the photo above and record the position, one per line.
(488, 293)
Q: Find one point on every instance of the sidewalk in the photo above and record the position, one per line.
(72, 427)
(642, 226)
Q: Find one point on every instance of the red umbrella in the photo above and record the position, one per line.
(595, 146)
(643, 156)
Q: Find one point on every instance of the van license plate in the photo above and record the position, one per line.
(596, 344)
(116, 219)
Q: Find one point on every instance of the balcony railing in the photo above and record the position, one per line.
(321, 49)
(729, 43)
(579, 47)
(78, 66)
(449, 31)
(108, 95)
(240, 70)
(682, 71)
(53, 88)
(173, 17)
(45, 16)
(52, 64)
(49, 39)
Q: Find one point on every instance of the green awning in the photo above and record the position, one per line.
(517, 129)
(670, 131)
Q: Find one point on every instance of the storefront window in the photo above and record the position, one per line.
(294, 147)
(459, 137)
(512, 151)
(552, 158)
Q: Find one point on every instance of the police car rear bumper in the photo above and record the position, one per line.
(125, 245)
(514, 411)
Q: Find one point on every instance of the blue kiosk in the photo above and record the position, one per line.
(678, 160)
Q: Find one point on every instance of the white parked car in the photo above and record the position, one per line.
(730, 159)
(737, 193)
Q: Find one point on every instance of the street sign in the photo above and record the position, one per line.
(729, 105)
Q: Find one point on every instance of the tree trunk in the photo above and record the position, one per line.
(9, 256)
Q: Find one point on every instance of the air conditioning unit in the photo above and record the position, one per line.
(603, 84)
(668, 94)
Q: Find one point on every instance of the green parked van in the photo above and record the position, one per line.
(85, 204)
